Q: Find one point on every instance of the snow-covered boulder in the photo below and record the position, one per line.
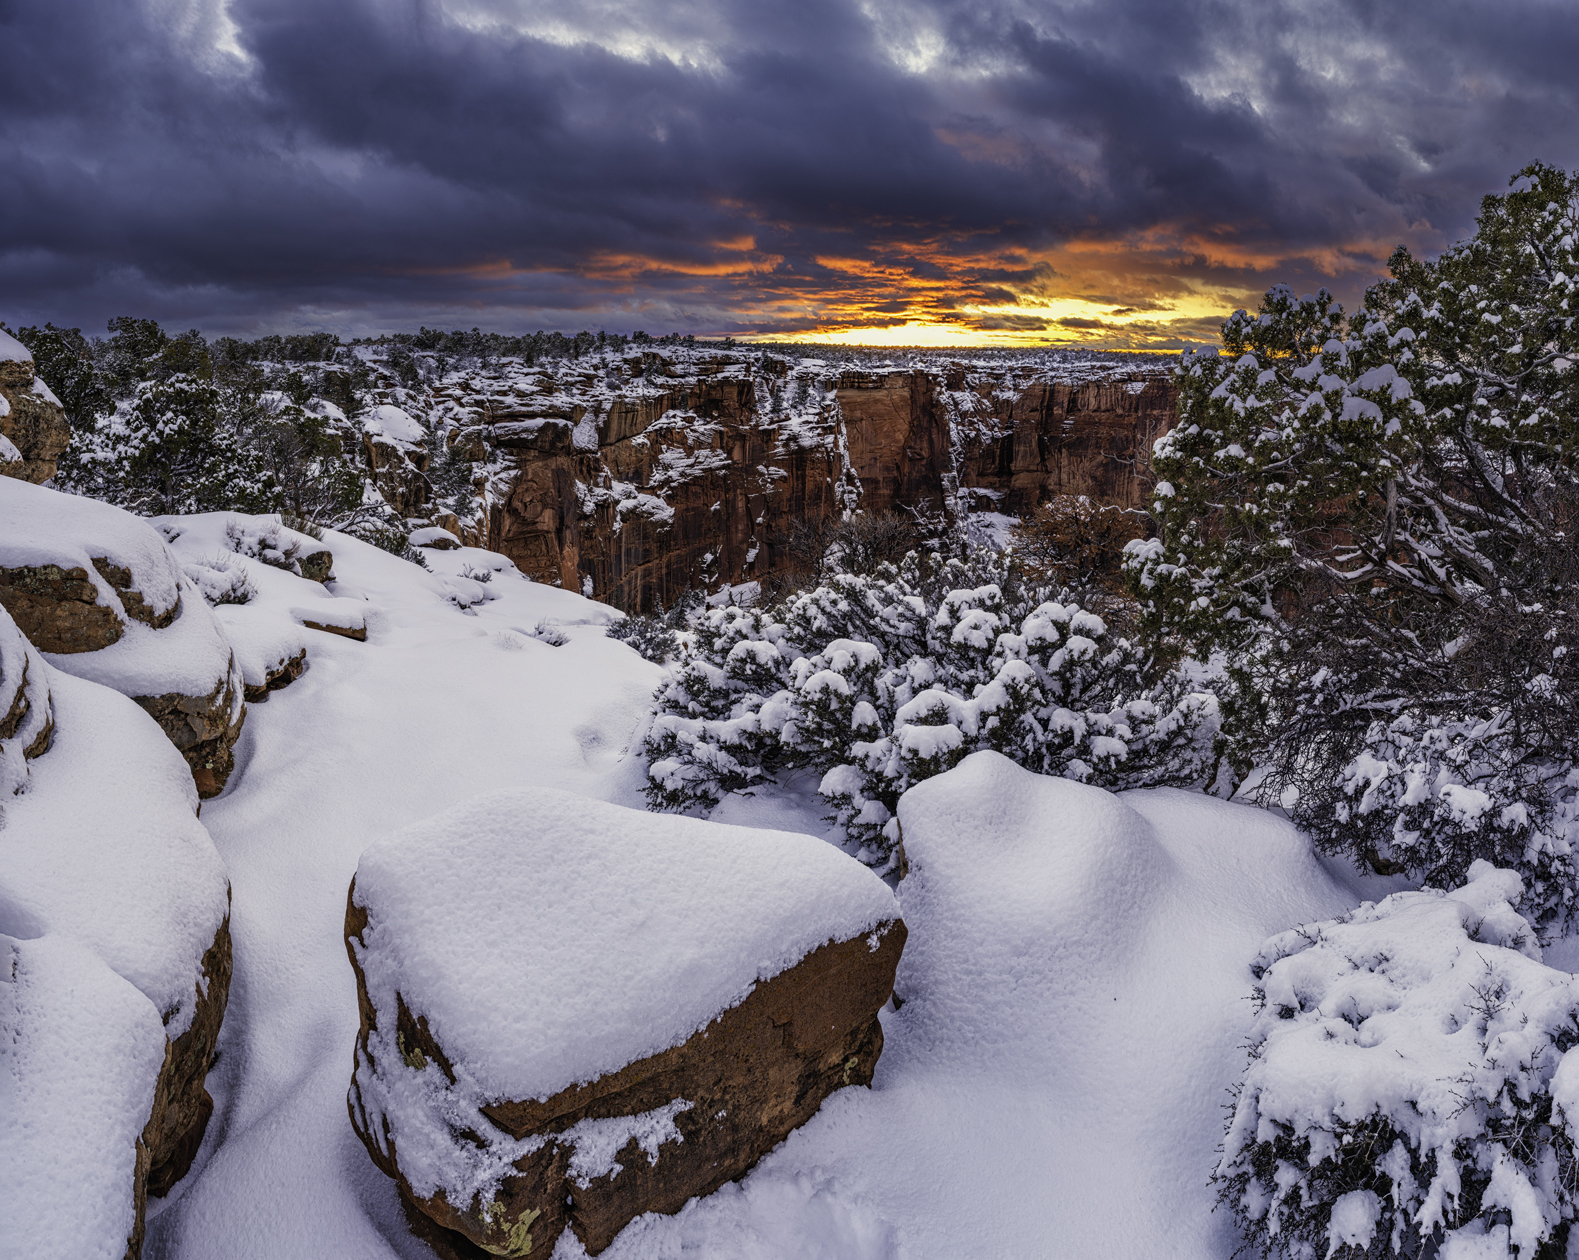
(435, 536)
(100, 594)
(574, 1013)
(114, 969)
(270, 648)
(1406, 1089)
(33, 427)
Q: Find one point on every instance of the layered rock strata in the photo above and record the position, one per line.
(34, 432)
(689, 997)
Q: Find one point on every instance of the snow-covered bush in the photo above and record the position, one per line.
(1404, 1090)
(882, 680)
(1437, 786)
(395, 541)
(651, 637)
(221, 581)
(264, 540)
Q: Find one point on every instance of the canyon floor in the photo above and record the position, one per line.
(1077, 962)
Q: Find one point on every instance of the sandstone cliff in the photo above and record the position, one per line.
(636, 478)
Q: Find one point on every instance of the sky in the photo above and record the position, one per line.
(1119, 174)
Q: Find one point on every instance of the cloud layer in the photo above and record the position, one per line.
(1120, 173)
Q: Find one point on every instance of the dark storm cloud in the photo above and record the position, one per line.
(730, 166)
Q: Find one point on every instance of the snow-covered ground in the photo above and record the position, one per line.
(1074, 987)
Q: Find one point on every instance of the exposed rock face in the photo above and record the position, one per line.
(60, 610)
(1056, 438)
(669, 477)
(33, 428)
(282, 675)
(182, 1104)
(27, 720)
(899, 439)
(359, 633)
(660, 473)
(114, 962)
(204, 728)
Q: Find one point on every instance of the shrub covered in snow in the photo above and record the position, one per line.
(395, 541)
(221, 581)
(882, 680)
(1406, 1088)
(655, 636)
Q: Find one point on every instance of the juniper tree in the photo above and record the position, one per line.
(1374, 516)
(170, 448)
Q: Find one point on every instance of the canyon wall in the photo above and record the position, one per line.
(636, 478)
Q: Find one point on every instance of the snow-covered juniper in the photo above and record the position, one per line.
(1374, 515)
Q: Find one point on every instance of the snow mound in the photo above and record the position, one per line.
(40, 526)
(80, 1052)
(550, 939)
(106, 847)
(12, 350)
(392, 422)
(1407, 1049)
(1046, 878)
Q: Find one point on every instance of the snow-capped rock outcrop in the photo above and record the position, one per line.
(33, 428)
(574, 1013)
(100, 594)
(115, 964)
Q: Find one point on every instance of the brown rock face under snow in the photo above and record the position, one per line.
(182, 1104)
(757, 1072)
(635, 480)
(204, 729)
(34, 425)
(290, 669)
(58, 608)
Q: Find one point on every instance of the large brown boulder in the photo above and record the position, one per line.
(33, 427)
(686, 997)
(100, 593)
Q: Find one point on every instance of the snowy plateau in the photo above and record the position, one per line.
(1072, 1006)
